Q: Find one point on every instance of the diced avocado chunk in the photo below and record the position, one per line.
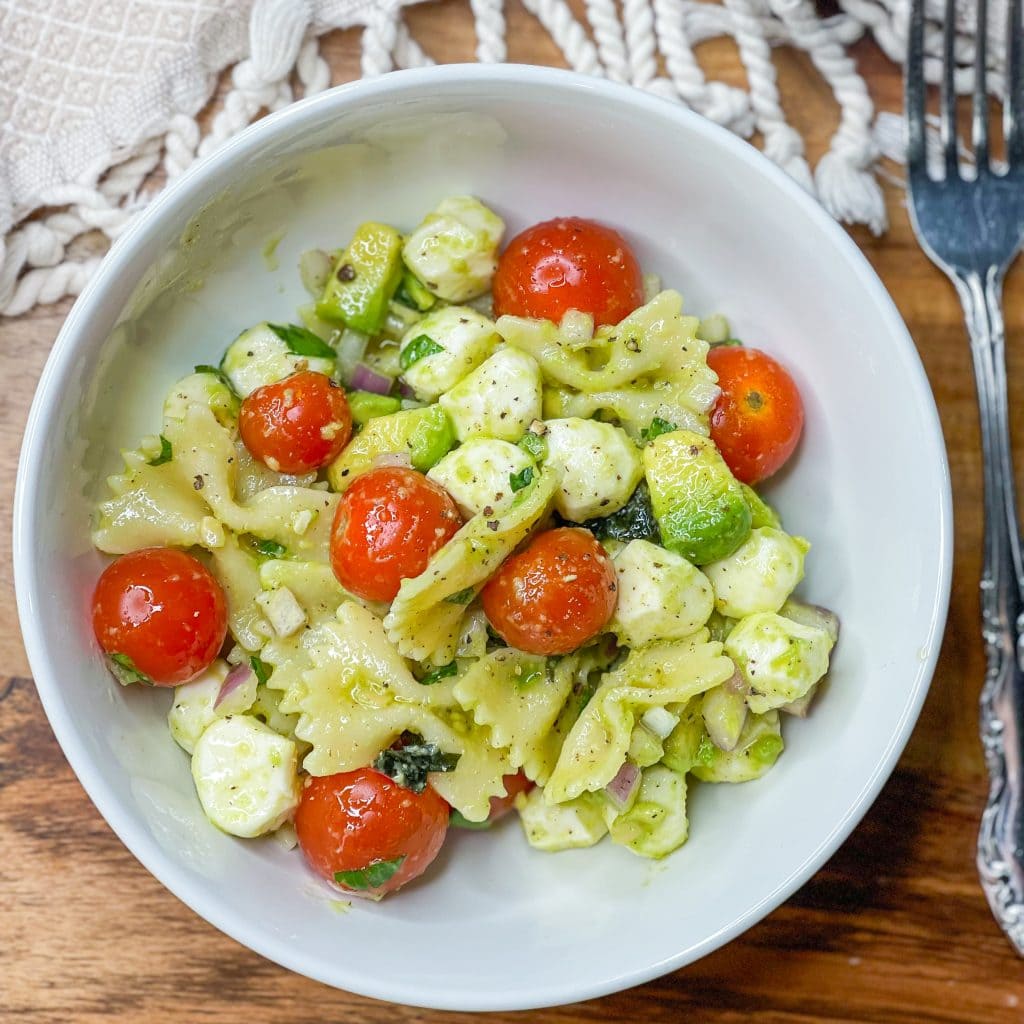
(656, 824)
(698, 503)
(661, 595)
(780, 659)
(500, 398)
(412, 292)
(205, 387)
(599, 464)
(365, 406)
(364, 279)
(757, 749)
(426, 435)
(719, 626)
(481, 473)
(454, 252)
(443, 348)
(645, 748)
(759, 575)
(761, 513)
(683, 743)
(270, 352)
(566, 826)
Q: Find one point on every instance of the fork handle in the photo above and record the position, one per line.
(1001, 836)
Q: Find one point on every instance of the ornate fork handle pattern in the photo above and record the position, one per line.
(1001, 837)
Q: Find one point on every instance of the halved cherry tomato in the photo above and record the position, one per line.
(556, 594)
(297, 424)
(160, 608)
(362, 820)
(568, 263)
(758, 418)
(514, 785)
(388, 524)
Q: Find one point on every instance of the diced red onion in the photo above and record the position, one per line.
(365, 379)
(623, 787)
(237, 677)
(405, 390)
(725, 723)
(402, 459)
(812, 615)
(736, 683)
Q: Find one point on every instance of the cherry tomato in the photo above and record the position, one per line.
(388, 525)
(161, 608)
(757, 420)
(553, 596)
(514, 785)
(298, 424)
(568, 263)
(354, 820)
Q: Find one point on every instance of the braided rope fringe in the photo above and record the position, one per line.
(645, 43)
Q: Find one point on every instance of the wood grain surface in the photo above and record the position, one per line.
(893, 929)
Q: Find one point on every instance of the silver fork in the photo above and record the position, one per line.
(973, 230)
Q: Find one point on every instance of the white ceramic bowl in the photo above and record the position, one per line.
(496, 925)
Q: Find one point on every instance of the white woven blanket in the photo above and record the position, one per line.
(96, 94)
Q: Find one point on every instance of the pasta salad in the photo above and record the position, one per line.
(478, 533)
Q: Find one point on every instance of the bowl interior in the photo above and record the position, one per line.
(495, 924)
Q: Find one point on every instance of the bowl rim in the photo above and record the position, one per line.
(32, 464)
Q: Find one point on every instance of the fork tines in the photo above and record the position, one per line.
(916, 90)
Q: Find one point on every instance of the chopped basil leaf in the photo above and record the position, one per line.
(410, 765)
(217, 372)
(417, 349)
(531, 677)
(270, 548)
(656, 429)
(634, 521)
(303, 342)
(438, 674)
(264, 548)
(458, 820)
(517, 481)
(166, 453)
(534, 445)
(125, 671)
(260, 668)
(373, 876)
(461, 596)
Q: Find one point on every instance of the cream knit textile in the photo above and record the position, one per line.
(95, 94)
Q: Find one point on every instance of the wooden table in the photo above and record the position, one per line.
(893, 929)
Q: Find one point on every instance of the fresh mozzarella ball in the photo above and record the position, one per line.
(499, 399)
(600, 467)
(759, 575)
(246, 776)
